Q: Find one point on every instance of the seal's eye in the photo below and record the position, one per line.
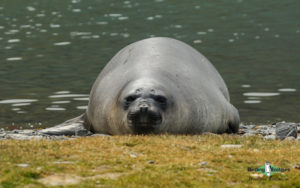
(131, 98)
(161, 99)
(128, 100)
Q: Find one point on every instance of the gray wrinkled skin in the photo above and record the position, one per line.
(198, 96)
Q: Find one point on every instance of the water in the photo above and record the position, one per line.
(52, 51)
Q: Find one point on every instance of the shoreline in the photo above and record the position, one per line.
(280, 130)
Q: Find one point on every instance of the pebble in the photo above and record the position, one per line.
(24, 165)
(257, 176)
(248, 134)
(290, 138)
(132, 155)
(231, 146)
(270, 137)
(203, 163)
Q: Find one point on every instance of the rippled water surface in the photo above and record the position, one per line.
(52, 51)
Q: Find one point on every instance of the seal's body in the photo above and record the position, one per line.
(159, 85)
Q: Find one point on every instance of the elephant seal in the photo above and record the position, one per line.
(156, 85)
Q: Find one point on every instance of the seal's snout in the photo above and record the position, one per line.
(144, 120)
(144, 108)
(144, 117)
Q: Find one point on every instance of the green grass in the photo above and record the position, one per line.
(148, 161)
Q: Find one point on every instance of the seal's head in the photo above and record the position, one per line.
(144, 104)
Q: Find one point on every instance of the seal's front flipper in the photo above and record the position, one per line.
(75, 126)
(234, 121)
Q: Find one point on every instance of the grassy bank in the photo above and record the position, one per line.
(147, 161)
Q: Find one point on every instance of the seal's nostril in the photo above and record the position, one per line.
(143, 108)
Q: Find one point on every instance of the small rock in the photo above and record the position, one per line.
(24, 165)
(248, 134)
(251, 131)
(203, 163)
(133, 155)
(270, 137)
(151, 162)
(231, 146)
(82, 133)
(251, 126)
(15, 131)
(57, 137)
(263, 127)
(284, 130)
(290, 138)
(257, 176)
(247, 126)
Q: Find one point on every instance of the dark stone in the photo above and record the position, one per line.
(284, 130)
(83, 132)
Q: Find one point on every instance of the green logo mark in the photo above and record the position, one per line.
(268, 169)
